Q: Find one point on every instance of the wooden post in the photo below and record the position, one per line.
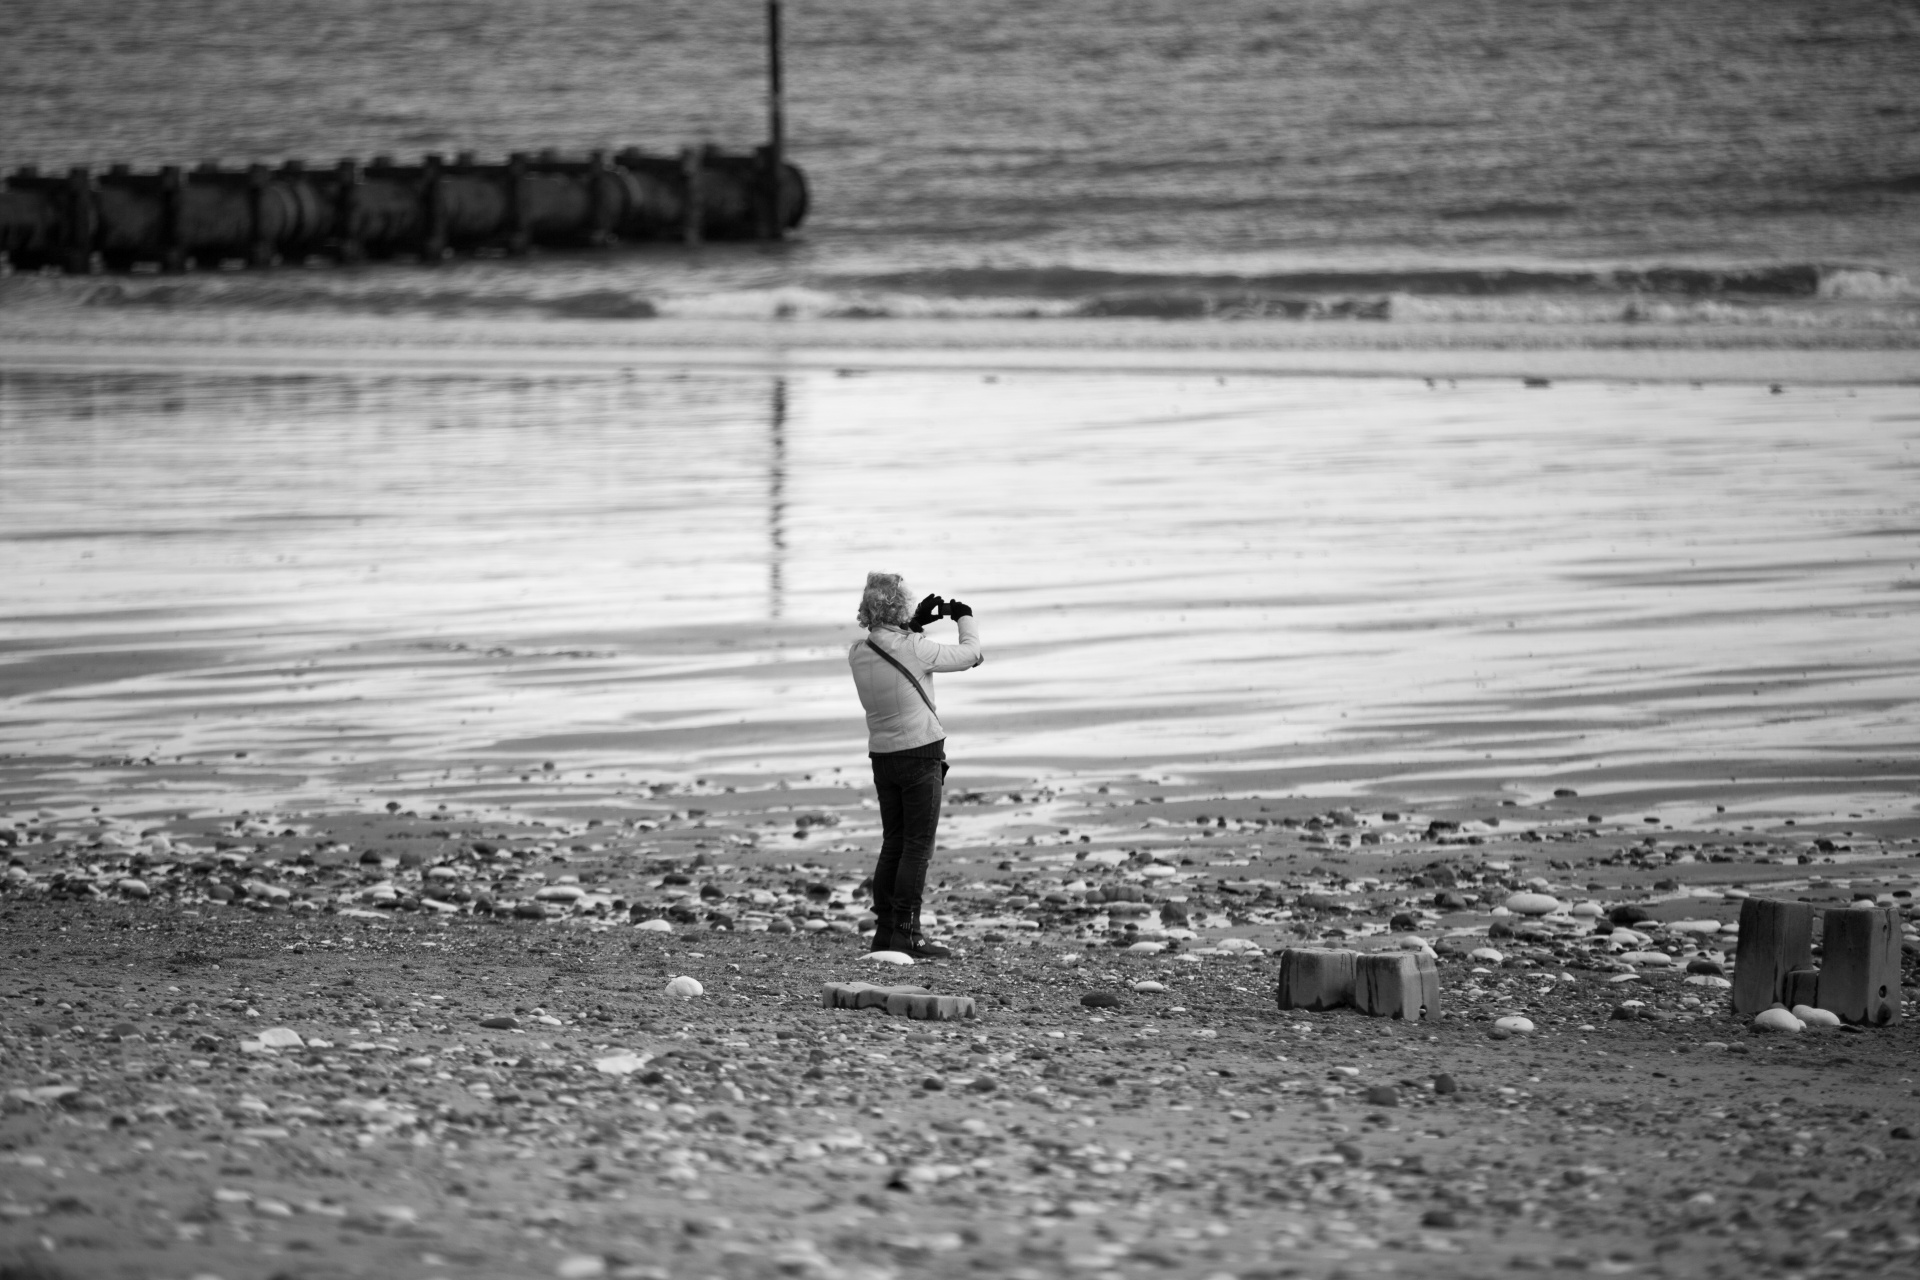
(1311, 978)
(173, 219)
(600, 200)
(346, 212)
(1387, 985)
(82, 223)
(774, 157)
(690, 164)
(518, 215)
(1775, 939)
(1801, 986)
(1429, 971)
(433, 196)
(1860, 969)
(260, 249)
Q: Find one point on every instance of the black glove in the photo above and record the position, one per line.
(955, 609)
(928, 610)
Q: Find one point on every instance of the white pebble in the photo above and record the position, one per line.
(1816, 1017)
(654, 926)
(887, 957)
(1516, 1024)
(685, 988)
(1777, 1020)
(1533, 904)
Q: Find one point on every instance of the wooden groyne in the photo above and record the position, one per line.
(177, 219)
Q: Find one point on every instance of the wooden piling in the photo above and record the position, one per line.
(433, 196)
(1312, 978)
(346, 212)
(173, 217)
(1860, 964)
(519, 216)
(691, 166)
(1388, 985)
(82, 222)
(1775, 939)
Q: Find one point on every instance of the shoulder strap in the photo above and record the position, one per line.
(895, 663)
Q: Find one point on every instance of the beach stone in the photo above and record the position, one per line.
(500, 1022)
(1646, 958)
(1816, 1017)
(887, 957)
(1383, 1095)
(1692, 926)
(1533, 904)
(1146, 948)
(1702, 964)
(1514, 1024)
(1777, 1019)
(1444, 1084)
(1627, 913)
(1487, 955)
(982, 1084)
(134, 888)
(779, 924)
(1712, 980)
(1100, 1000)
(932, 1084)
(686, 988)
(530, 910)
(561, 893)
(661, 926)
(281, 1038)
(1149, 986)
(1585, 910)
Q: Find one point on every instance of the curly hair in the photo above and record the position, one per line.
(884, 602)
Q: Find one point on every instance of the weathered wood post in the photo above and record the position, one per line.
(1775, 939)
(518, 215)
(433, 195)
(1860, 964)
(691, 159)
(260, 243)
(1311, 978)
(173, 219)
(346, 212)
(600, 200)
(82, 222)
(1388, 985)
(774, 155)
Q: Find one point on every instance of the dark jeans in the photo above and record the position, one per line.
(910, 790)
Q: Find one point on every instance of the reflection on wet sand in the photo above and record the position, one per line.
(1353, 583)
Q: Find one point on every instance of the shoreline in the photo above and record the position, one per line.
(265, 343)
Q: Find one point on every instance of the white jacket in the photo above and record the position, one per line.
(896, 717)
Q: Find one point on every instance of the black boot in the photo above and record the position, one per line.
(909, 938)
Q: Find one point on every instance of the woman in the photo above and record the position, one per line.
(893, 670)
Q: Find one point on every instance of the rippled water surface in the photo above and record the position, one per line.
(1350, 579)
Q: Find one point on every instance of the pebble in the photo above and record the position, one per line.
(281, 1038)
(1146, 948)
(1713, 980)
(1816, 1017)
(134, 888)
(619, 1064)
(1487, 955)
(1444, 1083)
(1149, 986)
(1100, 1000)
(686, 988)
(1777, 1019)
(500, 1022)
(658, 926)
(1702, 964)
(887, 957)
(1383, 1095)
(1646, 957)
(1533, 904)
(1514, 1024)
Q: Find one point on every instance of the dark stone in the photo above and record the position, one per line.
(1628, 914)
(1383, 1095)
(1444, 1084)
(1100, 1000)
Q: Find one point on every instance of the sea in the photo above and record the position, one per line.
(1751, 163)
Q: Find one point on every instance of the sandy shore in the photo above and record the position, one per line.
(73, 338)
